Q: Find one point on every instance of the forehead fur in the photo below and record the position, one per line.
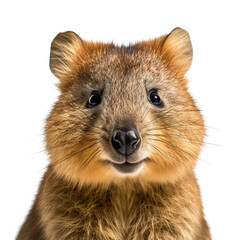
(120, 65)
(128, 72)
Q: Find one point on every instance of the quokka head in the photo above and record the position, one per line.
(124, 112)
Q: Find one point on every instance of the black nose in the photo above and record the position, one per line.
(125, 142)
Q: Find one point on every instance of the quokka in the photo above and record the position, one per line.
(123, 139)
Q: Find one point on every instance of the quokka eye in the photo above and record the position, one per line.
(94, 100)
(154, 98)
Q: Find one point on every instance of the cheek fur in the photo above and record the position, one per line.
(80, 163)
(173, 146)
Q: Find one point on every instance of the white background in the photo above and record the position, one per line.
(27, 90)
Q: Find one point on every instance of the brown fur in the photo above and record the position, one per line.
(81, 195)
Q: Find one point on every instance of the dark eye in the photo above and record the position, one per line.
(94, 100)
(154, 98)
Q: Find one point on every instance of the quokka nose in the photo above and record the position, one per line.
(125, 142)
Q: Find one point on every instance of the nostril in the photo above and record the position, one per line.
(116, 144)
(119, 142)
(132, 138)
(134, 143)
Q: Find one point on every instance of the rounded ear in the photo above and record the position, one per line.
(176, 51)
(64, 55)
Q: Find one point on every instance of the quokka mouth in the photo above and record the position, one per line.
(127, 167)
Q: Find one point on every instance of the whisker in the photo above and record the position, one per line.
(73, 129)
(144, 116)
(176, 126)
(177, 147)
(150, 122)
(184, 138)
(195, 142)
(71, 155)
(67, 143)
(88, 160)
(156, 148)
(182, 125)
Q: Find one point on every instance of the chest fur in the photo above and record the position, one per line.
(127, 213)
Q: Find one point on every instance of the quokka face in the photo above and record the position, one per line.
(123, 112)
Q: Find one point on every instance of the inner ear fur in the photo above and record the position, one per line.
(174, 49)
(65, 54)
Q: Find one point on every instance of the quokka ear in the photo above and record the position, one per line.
(65, 53)
(176, 51)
